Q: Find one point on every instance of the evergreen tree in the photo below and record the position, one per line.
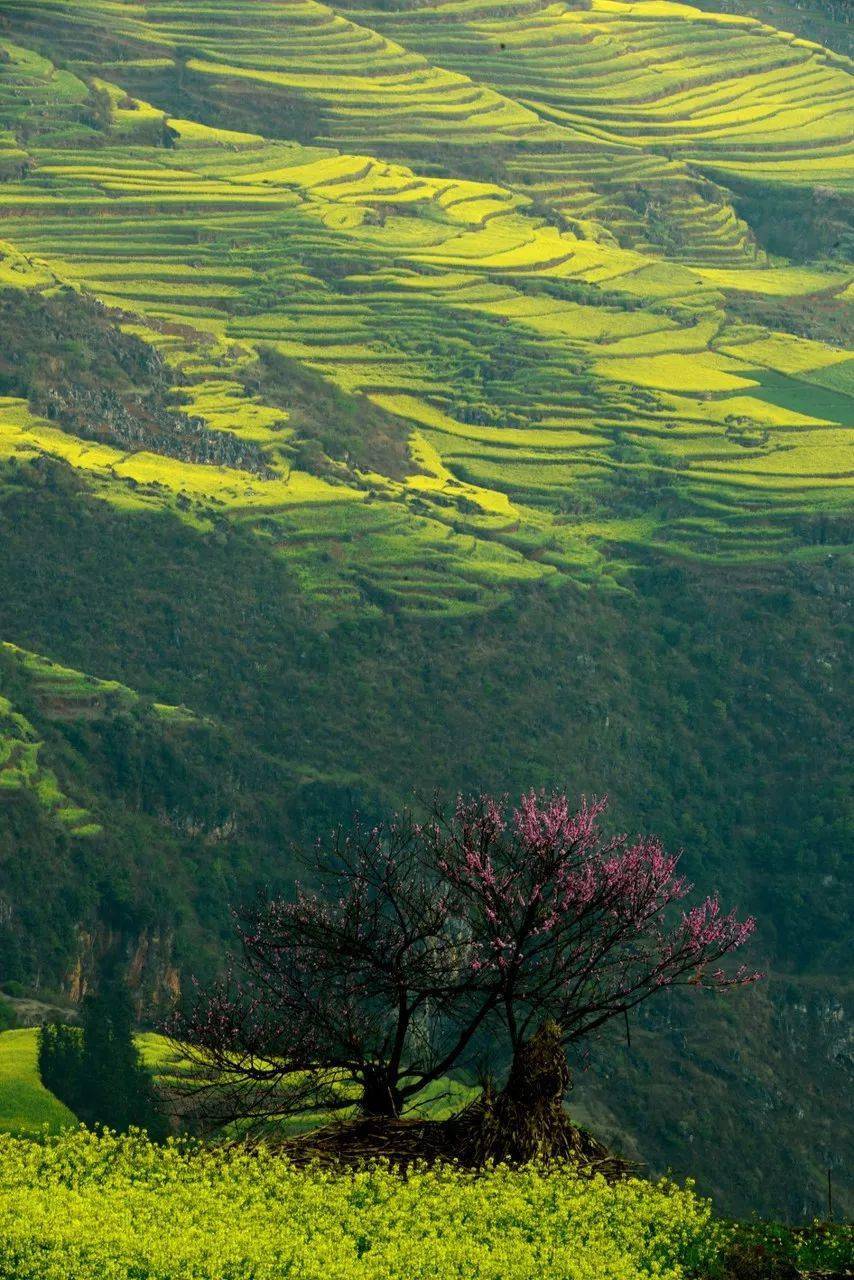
(60, 1058)
(96, 1069)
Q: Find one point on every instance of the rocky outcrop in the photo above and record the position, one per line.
(149, 966)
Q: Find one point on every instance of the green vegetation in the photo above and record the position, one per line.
(401, 395)
(96, 1069)
(69, 1200)
(822, 1248)
(26, 1106)
(68, 1205)
(22, 770)
(107, 386)
(564, 1214)
(702, 694)
(465, 313)
(823, 21)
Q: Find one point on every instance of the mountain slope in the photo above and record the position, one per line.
(382, 409)
(411, 292)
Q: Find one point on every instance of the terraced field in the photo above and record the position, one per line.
(615, 117)
(569, 403)
(22, 769)
(60, 695)
(726, 94)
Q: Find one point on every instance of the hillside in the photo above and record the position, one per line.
(25, 1104)
(398, 396)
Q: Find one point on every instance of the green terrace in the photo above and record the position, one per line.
(608, 116)
(59, 695)
(418, 388)
(653, 95)
(22, 770)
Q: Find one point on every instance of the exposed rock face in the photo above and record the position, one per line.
(118, 390)
(151, 973)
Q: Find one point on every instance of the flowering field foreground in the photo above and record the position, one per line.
(89, 1207)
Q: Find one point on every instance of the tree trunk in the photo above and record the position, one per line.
(527, 1120)
(380, 1097)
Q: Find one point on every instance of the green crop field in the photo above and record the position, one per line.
(235, 1215)
(398, 394)
(405, 289)
(27, 1108)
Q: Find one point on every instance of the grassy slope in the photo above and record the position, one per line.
(580, 411)
(26, 1106)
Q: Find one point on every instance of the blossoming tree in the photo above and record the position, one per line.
(489, 924)
(568, 925)
(569, 929)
